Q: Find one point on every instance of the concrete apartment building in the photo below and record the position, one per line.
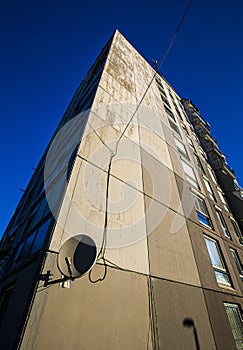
(133, 166)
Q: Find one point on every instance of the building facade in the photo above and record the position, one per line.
(133, 166)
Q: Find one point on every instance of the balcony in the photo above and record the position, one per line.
(229, 169)
(194, 114)
(237, 187)
(220, 164)
(201, 131)
(235, 201)
(212, 140)
(210, 145)
(192, 106)
(199, 123)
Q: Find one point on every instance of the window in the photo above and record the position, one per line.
(5, 298)
(222, 223)
(185, 129)
(199, 164)
(162, 92)
(181, 148)
(27, 246)
(190, 143)
(177, 111)
(237, 261)
(212, 175)
(195, 138)
(202, 153)
(189, 173)
(209, 189)
(31, 244)
(201, 210)
(40, 237)
(237, 230)
(164, 99)
(174, 127)
(172, 97)
(234, 315)
(221, 196)
(158, 79)
(40, 211)
(220, 271)
(169, 112)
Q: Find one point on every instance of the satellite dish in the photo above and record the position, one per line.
(77, 256)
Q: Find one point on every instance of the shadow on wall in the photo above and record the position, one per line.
(189, 323)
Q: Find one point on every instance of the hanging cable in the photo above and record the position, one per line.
(101, 254)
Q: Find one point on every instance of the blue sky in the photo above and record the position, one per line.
(48, 46)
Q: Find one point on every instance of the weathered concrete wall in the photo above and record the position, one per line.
(108, 315)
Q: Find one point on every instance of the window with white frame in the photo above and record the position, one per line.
(237, 261)
(212, 175)
(221, 196)
(190, 142)
(234, 315)
(220, 271)
(189, 173)
(202, 153)
(169, 112)
(201, 209)
(181, 148)
(172, 97)
(164, 99)
(185, 128)
(177, 111)
(174, 127)
(223, 223)
(164, 96)
(209, 189)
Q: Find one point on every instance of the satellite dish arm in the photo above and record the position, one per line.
(68, 261)
(46, 278)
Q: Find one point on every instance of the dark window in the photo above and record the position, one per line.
(5, 298)
(27, 246)
(31, 244)
(40, 237)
